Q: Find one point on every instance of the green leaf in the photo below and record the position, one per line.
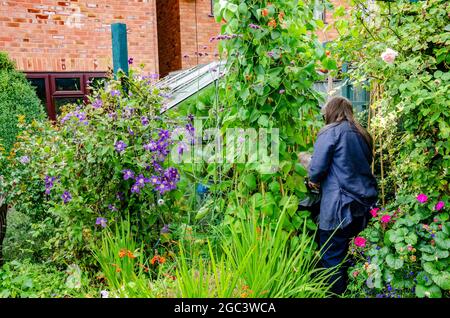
(243, 9)
(263, 121)
(430, 268)
(299, 169)
(442, 241)
(250, 181)
(442, 279)
(394, 262)
(429, 292)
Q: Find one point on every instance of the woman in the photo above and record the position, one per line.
(341, 167)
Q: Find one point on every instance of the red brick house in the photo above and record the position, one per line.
(62, 44)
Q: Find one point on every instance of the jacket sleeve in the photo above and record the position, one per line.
(322, 156)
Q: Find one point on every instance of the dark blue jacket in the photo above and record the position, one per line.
(341, 163)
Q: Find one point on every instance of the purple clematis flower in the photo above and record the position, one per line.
(66, 197)
(115, 92)
(127, 174)
(97, 103)
(120, 146)
(130, 61)
(155, 180)
(135, 188)
(151, 146)
(144, 121)
(141, 180)
(101, 221)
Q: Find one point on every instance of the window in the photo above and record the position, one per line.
(58, 89)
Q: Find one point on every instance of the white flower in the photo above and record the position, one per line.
(104, 294)
(389, 55)
(160, 202)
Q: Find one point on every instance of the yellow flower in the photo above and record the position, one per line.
(21, 119)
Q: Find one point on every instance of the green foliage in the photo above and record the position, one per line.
(408, 256)
(79, 156)
(410, 115)
(126, 269)
(273, 59)
(258, 260)
(413, 111)
(17, 98)
(28, 237)
(30, 280)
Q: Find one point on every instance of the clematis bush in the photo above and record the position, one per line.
(101, 163)
(404, 252)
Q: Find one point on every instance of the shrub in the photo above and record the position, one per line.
(30, 280)
(101, 163)
(17, 97)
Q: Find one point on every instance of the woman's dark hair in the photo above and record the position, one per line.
(340, 108)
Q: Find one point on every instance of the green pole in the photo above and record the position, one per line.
(119, 47)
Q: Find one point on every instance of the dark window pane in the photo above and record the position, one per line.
(61, 101)
(39, 84)
(68, 84)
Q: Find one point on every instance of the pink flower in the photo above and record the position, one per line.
(439, 205)
(360, 241)
(389, 55)
(374, 212)
(422, 198)
(385, 218)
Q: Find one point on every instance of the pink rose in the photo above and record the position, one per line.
(374, 212)
(385, 218)
(439, 205)
(389, 55)
(422, 198)
(360, 241)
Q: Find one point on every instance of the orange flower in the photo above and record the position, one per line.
(157, 259)
(122, 253)
(265, 12)
(281, 16)
(118, 270)
(272, 23)
(130, 254)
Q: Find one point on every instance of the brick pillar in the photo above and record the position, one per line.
(169, 36)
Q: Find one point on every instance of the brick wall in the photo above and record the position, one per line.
(75, 35)
(331, 34)
(197, 27)
(169, 40)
